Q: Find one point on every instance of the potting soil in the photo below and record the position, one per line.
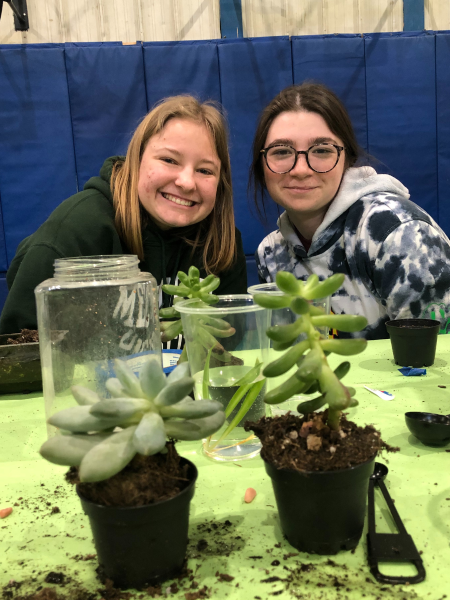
(145, 480)
(26, 336)
(308, 444)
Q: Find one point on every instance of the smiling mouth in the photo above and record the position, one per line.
(299, 187)
(177, 200)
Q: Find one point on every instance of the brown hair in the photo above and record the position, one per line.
(310, 97)
(218, 226)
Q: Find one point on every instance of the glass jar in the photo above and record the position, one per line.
(224, 342)
(94, 310)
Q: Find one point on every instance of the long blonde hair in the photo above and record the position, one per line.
(216, 233)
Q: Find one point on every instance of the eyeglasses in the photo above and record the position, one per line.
(321, 158)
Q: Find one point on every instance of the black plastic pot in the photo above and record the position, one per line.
(322, 512)
(413, 341)
(142, 545)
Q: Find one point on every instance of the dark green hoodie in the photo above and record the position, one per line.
(83, 225)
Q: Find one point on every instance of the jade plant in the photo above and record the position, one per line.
(309, 353)
(190, 287)
(148, 410)
(209, 328)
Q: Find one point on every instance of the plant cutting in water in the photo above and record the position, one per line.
(208, 329)
(148, 410)
(247, 391)
(313, 373)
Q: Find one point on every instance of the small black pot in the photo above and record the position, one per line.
(322, 512)
(141, 545)
(413, 341)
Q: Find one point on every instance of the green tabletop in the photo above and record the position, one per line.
(47, 531)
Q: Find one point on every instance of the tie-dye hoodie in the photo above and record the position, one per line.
(395, 257)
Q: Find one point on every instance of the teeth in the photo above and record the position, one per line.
(178, 200)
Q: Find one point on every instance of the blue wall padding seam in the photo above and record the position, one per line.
(37, 169)
(252, 72)
(173, 68)
(401, 111)
(338, 62)
(107, 99)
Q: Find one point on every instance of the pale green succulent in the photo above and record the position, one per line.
(148, 410)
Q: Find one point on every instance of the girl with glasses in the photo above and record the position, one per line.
(169, 201)
(341, 218)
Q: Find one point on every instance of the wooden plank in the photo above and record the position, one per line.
(158, 20)
(197, 19)
(437, 15)
(121, 21)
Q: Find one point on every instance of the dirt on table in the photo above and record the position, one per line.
(145, 480)
(308, 444)
(26, 336)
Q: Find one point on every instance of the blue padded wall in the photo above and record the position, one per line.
(37, 167)
(107, 101)
(65, 108)
(337, 61)
(252, 72)
(401, 111)
(173, 68)
(443, 127)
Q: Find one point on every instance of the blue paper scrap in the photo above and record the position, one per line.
(411, 372)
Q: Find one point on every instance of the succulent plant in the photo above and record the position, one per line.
(190, 287)
(147, 410)
(313, 373)
(209, 328)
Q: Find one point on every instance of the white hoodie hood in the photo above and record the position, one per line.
(356, 183)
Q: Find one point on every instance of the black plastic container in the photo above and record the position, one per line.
(20, 366)
(322, 512)
(413, 341)
(142, 544)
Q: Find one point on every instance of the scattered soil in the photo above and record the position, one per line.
(291, 577)
(221, 539)
(26, 336)
(332, 580)
(12, 592)
(308, 444)
(145, 480)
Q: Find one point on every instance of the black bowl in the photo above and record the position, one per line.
(431, 429)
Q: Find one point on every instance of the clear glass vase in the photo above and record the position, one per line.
(94, 310)
(285, 316)
(225, 343)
